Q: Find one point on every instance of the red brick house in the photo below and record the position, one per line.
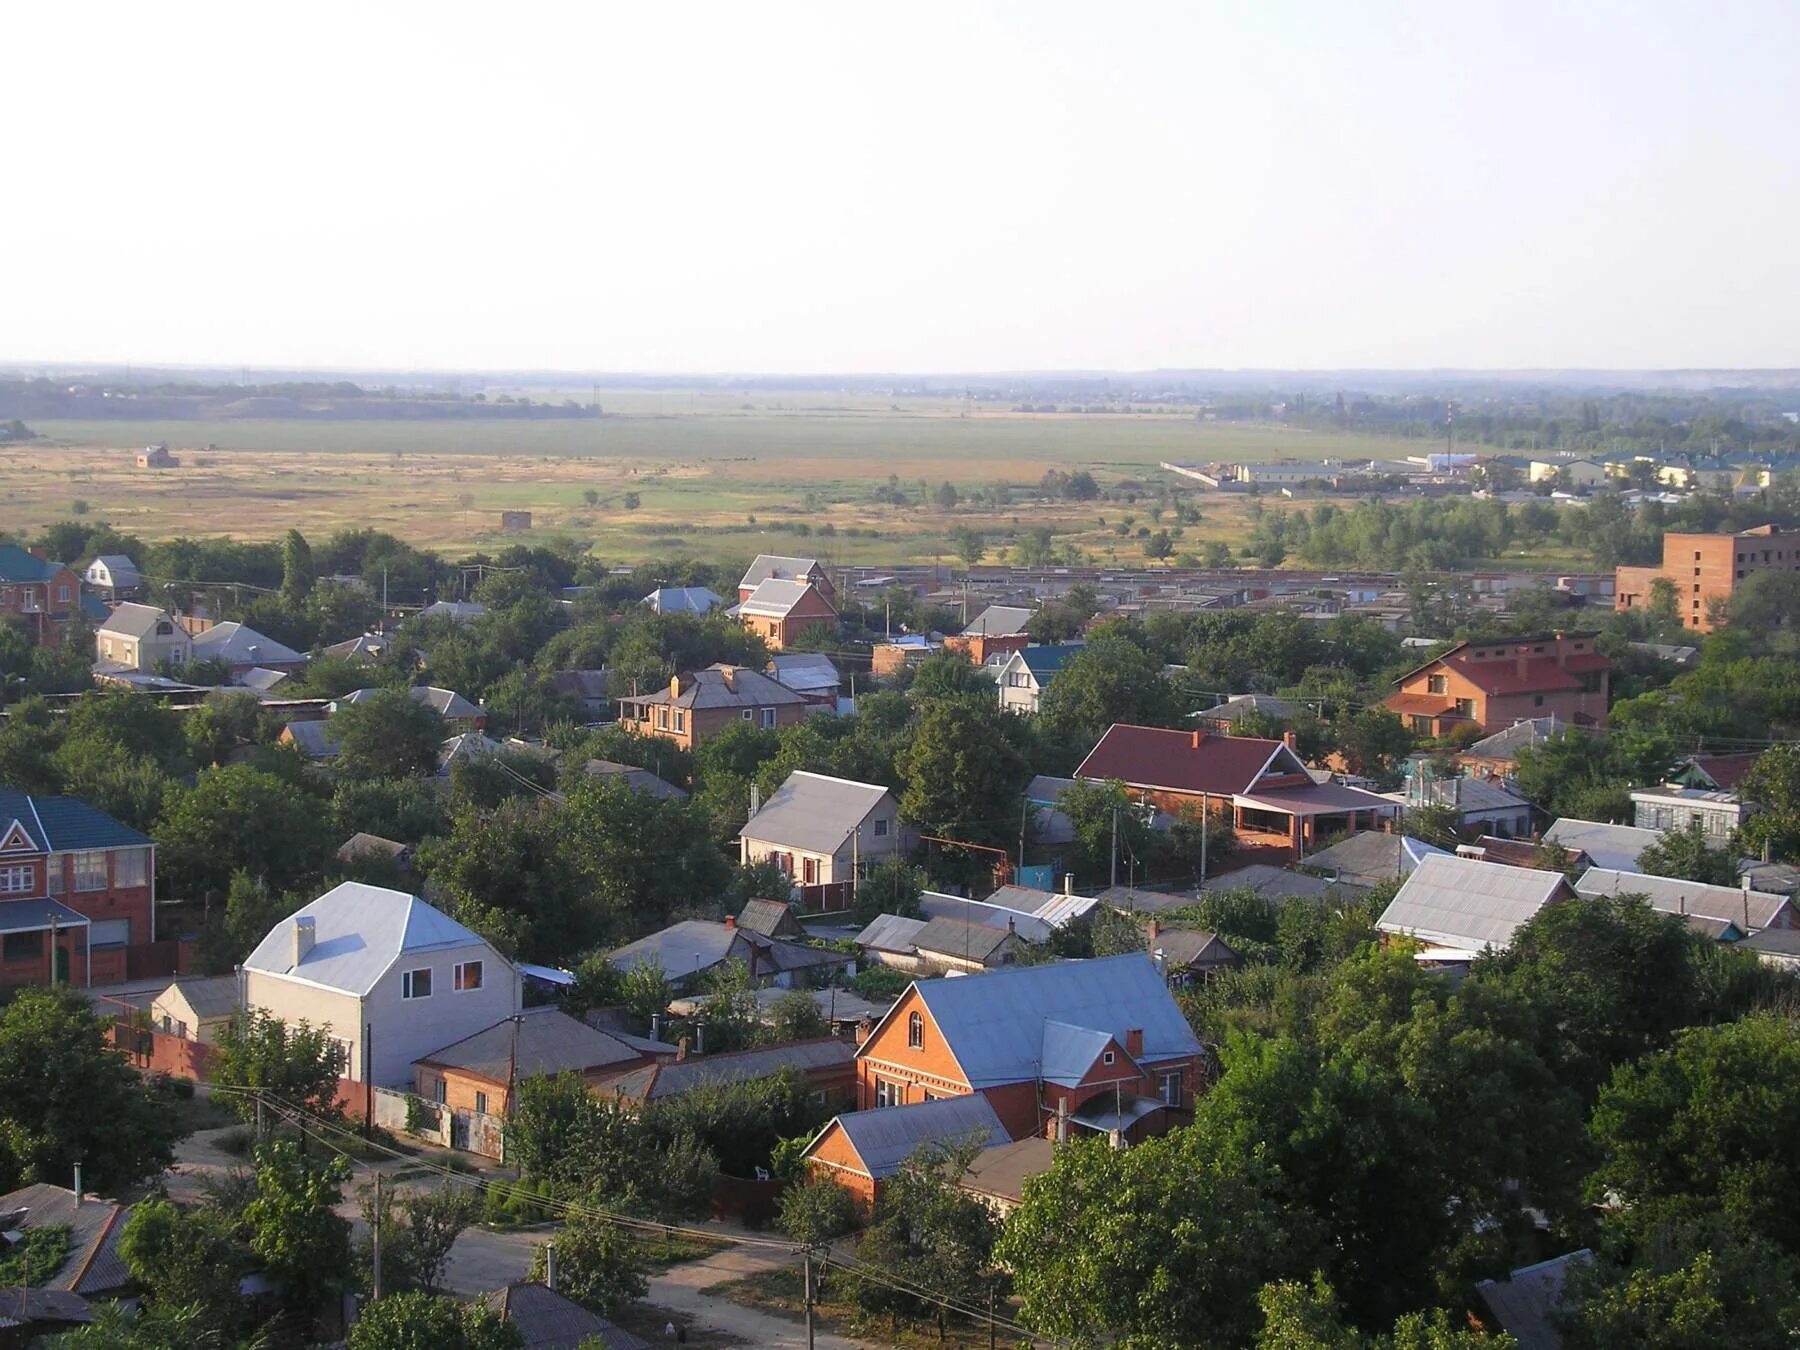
(1273, 801)
(774, 567)
(997, 629)
(43, 595)
(1079, 1045)
(705, 702)
(1496, 683)
(780, 598)
(76, 894)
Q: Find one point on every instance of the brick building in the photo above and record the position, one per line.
(76, 894)
(1500, 682)
(781, 598)
(705, 702)
(42, 594)
(1704, 568)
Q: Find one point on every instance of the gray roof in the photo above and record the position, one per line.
(1371, 856)
(638, 780)
(776, 565)
(443, 702)
(262, 680)
(545, 1320)
(1051, 825)
(1777, 942)
(1671, 895)
(805, 671)
(992, 912)
(548, 1041)
(1240, 706)
(468, 745)
(1507, 744)
(813, 812)
(365, 647)
(135, 620)
(216, 996)
(774, 598)
(890, 933)
(683, 600)
(1069, 1052)
(93, 1265)
(999, 621)
(1188, 948)
(1270, 882)
(237, 645)
(365, 845)
(765, 916)
(1524, 1303)
(1614, 846)
(1459, 902)
(460, 610)
(959, 937)
(311, 740)
(359, 932)
(1475, 794)
(121, 569)
(656, 1081)
(885, 1136)
(683, 948)
(708, 689)
(1001, 1170)
(1055, 908)
(21, 1307)
(993, 1023)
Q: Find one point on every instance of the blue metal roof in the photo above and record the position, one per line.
(885, 1136)
(1047, 660)
(994, 1023)
(32, 916)
(18, 565)
(65, 824)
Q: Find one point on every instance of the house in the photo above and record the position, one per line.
(364, 847)
(27, 1314)
(261, 681)
(809, 674)
(1525, 853)
(1717, 811)
(963, 945)
(1185, 955)
(1241, 707)
(638, 780)
(391, 978)
(1494, 683)
(42, 594)
(157, 457)
(861, 1149)
(1704, 568)
(1273, 800)
(828, 1066)
(545, 1320)
(780, 611)
(771, 918)
(468, 747)
(240, 647)
(76, 895)
(446, 703)
(1611, 846)
(365, 649)
(588, 689)
(1582, 473)
(1778, 947)
(1525, 1304)
(1370, 857)
(1275, 884)
(887, 940)
(113, 576)
(683, 600)
(998, 628)
(142, 637)
(93, 1268)
(843, 1011)
(1092, 1045)
(1717, 773)
(1477, 803)
(774, 567)
(824, 833)
(457, 611)
(689, 949)
(310, 738)
(1496, 757)
(1028, 672)
(195, 1008)
(704, 703)
(1459, 907)
(886, 658)
(1752, 911)
(996, 1176)
(515, 520)
(1054, 909)
(478, 1072)
(938, 905)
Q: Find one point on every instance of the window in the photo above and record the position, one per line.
(437, 1091)
(62, 595)
(768, 719)
(481, 1102)
(1465, 707)
(749, 714)
(22, 947)
(90, 871)
(662, 718)
(1169, 1088)
(416, 984)
(109, 933)
(809, 871)
(882, 825)
(1109, 1059)
(915, 1031)
(466, 976)
(53, 871)
(680, 719)
(15, 880)
(889, 1094)
(131, 867)
(1537, 700)
(1437, 684)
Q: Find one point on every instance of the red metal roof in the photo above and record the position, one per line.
(1420, 705)
(1540, 675)
(1179, 761)
(1727, 770)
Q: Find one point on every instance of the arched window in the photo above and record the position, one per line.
(915, 1031)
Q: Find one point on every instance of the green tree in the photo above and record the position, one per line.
(389, 734)
(184, 1260)
(1107, 823)
(1372, 741)
(949, 674)
(947, 496)
(1297, 1316)
(928, 1233)
(1159, 545)
(418, 1321)
(1112, 679)
(239, 819)
(418, 1229)
(598, 1264)
(71, 1098)
(1685, 853)
(962, 774)
(817, 1212)
(970, 545)
(297, 1065)
(1773, 786)
(294, 1229)
(795, 1016)
(893, 886)
(297, 572)
(643, 856)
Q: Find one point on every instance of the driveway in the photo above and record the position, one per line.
(681, 1289)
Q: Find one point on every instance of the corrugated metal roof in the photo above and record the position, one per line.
(960, 937)
(93, 1265)
(934, 905)
(1069, 1052)
(130, 619)
(774, 599)
(1459, 902)
(776, 565)
(999, 621)
(1524, 1304)
(885, 1136)
(813, 812)
(216, 996)
(1612, 846)
(236, 645)
(548, 1042)
(360, 931)
(683, 600)
(683, 948)
(1672, 895)
(311, 740)
(1270, 882)
(890, 933)
(993, 1023)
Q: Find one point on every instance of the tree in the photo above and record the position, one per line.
(1372, 741)
(795, 1016)
(1159, 545)
(296, 568)
(970, 545)
(418, 1229)
(1108, 827)
(389, 734)
(947, 496)
(949, 674)
(1297, 1316)
(294, 1229)
(1684, 853)
(962, 774)
(240, 819)
(1773, 786)
(893, 886)
(418, 1321)
(816, 1212)
(298, 1066)
(71, 1098)
(1768, 600)
(632, 501)
(1112, 679)
(184, 1260)
(928, 1233)
(644, 856)
(598, 1264)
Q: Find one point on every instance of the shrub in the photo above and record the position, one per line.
(817, 1212)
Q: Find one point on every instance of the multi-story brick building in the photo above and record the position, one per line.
(705, 702)
(77, 893)
(1496, 683)
(43, 594)
(1707, 568)
(781, 598)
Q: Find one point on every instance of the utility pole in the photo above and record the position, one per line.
(1205, 816)
(375, 1242)
(368, 1079)
(807, 1275)
(1113, 858)
(992, 1328)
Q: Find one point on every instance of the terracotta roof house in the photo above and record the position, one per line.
(862, 1149)
(998, 628)
(545, 1320)
(93, 1267)
(824, 833)
(828, 1065)
(683, 600)
(1458, 907)
(1497, 682)
(1716, 773)
(477, 1073)
(1273, 800)
(780, 611)
(1613, 846)
(1752, 911)
(705, 702)
(1097, 1045)
(1370, 857)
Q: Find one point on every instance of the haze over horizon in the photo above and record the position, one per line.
(980, 188)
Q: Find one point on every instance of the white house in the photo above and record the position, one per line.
(390, 977)
(1027, 673)
(821, 830)
(142, 637)
(114, 575)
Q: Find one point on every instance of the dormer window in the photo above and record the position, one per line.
(1109, 1059)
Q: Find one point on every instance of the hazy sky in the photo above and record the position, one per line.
(922, 187)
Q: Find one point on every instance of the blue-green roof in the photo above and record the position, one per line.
(1042, 661)
(65, 824)
(95, 608)
(18, 565)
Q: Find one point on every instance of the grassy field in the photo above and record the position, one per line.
(712, 478)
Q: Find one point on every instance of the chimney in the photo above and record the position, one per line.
(681, 1049)
(1068, 883)
(674, 686)
(656, 1026)
(1199, 735)
(755, 799)
(550, 1266)
(1062, 1120)
(731, 921)
(78, 1185)
(1134, 1042)
(1291, 741)
(729, 675)
(305, 930)
(864, 1029)
(700, 1038)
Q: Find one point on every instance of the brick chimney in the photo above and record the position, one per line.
(864, 1030)
(729, 675)
(1291, 741)
(1134, 1042)
(1155, 930)
(731, 921)
(1199, 736)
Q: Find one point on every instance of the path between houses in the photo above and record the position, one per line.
(680, 1289)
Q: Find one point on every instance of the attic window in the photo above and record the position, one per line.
(915, 1031)
(416, 983)
(1108, 1058)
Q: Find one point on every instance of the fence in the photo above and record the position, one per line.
(828, 898)
(755, 1202)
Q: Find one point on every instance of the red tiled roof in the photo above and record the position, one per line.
(1156, 758)
(1727, 770)
(1541, 674)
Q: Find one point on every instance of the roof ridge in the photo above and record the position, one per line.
(93, 1254)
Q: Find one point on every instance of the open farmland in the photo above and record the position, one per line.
(711, 478)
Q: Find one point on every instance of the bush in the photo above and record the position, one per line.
(817, 1212)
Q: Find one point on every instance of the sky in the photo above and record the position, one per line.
(925, 187)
